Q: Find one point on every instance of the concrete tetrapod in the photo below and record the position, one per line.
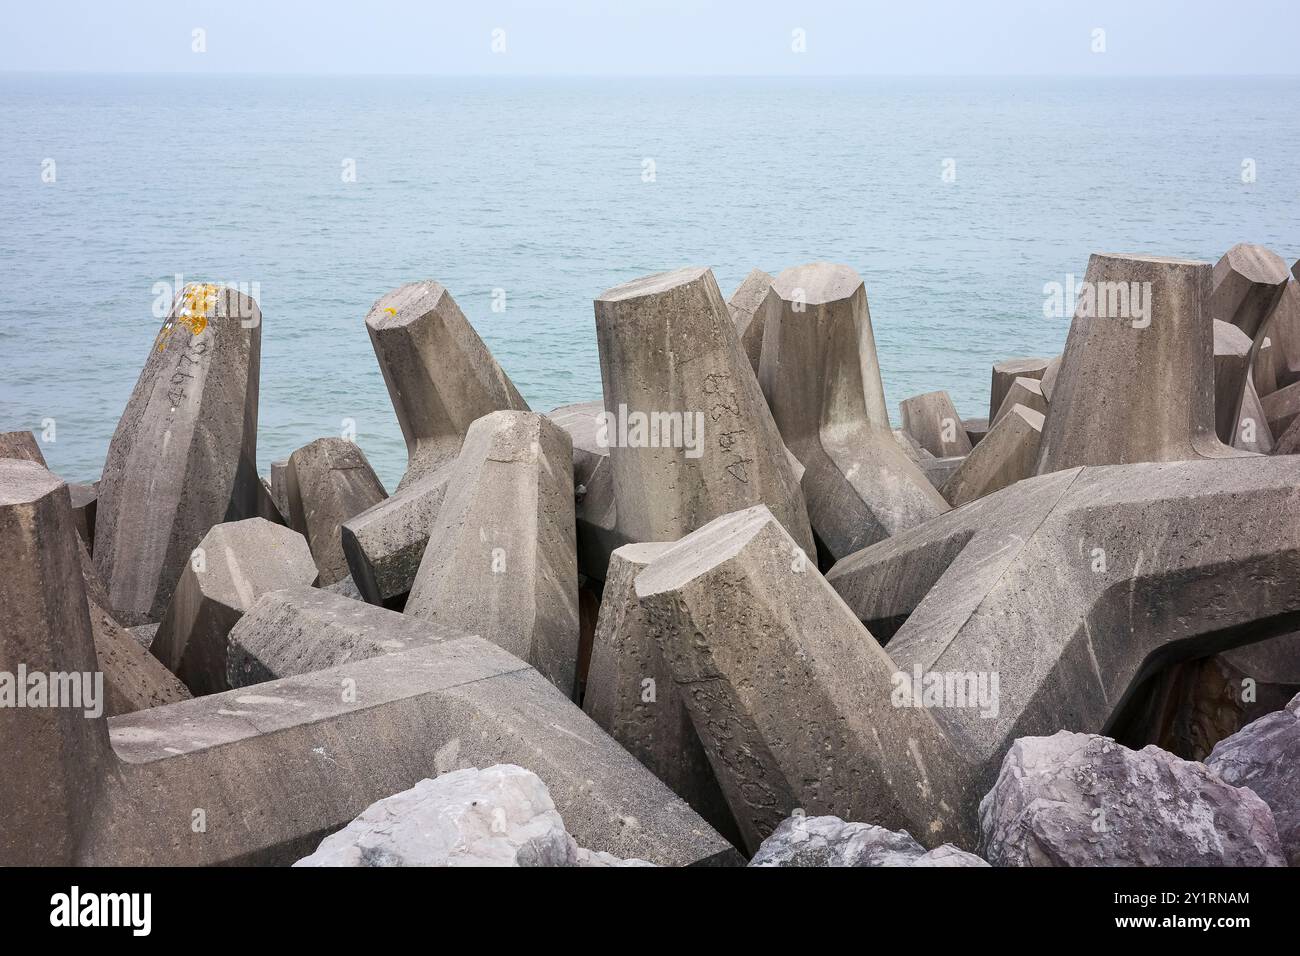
(631, 694)
(821, 377)
(183, 457)
(1038, 607)
(129, 790)
(234, 565)
(595, 508)
(689, 434)
(1137, 377)
(1006, 455)
(440, 377)
(1006, 372)
(1249, 282)
(933, 421)
(1023, 391)
(1232, 358)
(327, 482)
(745, 312)
(502, 558)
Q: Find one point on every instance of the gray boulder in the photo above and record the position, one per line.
(1265, 756)
(829, 841)
(1084, 800)
(500, 816)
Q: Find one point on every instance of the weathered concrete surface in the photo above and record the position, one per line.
(821, 377)
(280, 491)
(183, 457)
(502, 556)
(1137, 376)
(669, 354)
(1084, 800)
(745, 312)
(499, 816)
(328, 482)
(143, 634)
(1283, 331)
(631, 694)
(939, 471)
(1249, 282)
(235, 564)
(933, 421)
(829, 841)
(1253, 433)
(1265, 756)
(1232, 357)
(1282, 408)
(1006, 372)
(1263, 371)
(440, 375)
(44, 628)
(976, 429)
(788, 693)
(596, 509)
(133, 678)
(1023, 391)
(124, 791)
(1007, 455)
(385, 543)
(298, 630)
(84, 498)
(1050, 376)
(1071, 589)
(1289, 443)
(21, 446)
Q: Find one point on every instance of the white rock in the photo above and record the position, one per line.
(829, 841)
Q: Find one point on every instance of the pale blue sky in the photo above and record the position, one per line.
(672, 37)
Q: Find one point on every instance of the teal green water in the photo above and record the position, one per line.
(536, 187)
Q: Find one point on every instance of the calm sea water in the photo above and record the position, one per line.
(536, 187)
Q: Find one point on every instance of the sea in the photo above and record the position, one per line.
(961, 202)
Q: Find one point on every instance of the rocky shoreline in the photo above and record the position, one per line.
(728, 612)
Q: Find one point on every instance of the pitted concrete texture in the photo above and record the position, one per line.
(440, 375)
(1137, 377)
(693, 438)
(234, 565)
(328, 482)
(821, 377)
(183, 457)
(502, 555)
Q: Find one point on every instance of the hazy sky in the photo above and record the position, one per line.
(653, 36)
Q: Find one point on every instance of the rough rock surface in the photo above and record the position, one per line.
(829, 841)
(499, 816)
(1265, 756)
(1083, 800)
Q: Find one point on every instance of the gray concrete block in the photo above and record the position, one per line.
(327, 482)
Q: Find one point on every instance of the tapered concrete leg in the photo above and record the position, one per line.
(85, 497)
(1007, 455)
(976, 429)
(50, 752)
(822, 380)
(1248, 284)
(1137, 377)
(1253, 433)
(1283, 331)
(328, 482)
(596, 509)
(440, 375)
(744, 308)
(1006, 372)
(1282, 408)
(1232, 357)
(1289, 443)
(234, 565)
(933, 421)
(280, 491)
(1049, 377)
(183, 457)
(21, 446)
(1023, 391)
(502, 560)
(690, 437)
(1065, 588)
(789, 694)
(384, 544)
(631, 694)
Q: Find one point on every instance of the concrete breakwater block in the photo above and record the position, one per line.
(502, 557)
(1006, 372)
(183, 456)
(692, 437)
(1006, 455)
(1136, 381)
(821, 377)
(235, 564)
(327, 482)
(933, 421)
